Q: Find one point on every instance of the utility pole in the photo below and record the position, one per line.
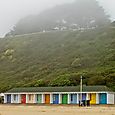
(81, 89)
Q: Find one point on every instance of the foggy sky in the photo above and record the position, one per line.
(11, 11)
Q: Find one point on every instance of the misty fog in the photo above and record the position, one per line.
(11, 11)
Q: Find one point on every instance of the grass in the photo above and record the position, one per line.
(46, 59)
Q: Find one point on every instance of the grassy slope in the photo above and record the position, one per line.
(58, 58)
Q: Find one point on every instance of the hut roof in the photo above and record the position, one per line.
(61, 89)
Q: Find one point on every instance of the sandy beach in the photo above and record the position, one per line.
(55, 110)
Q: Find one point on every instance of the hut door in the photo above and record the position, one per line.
(39, 98)
(93, 98)
(64, 98)
(23, 99)
(73, 98)
(47, 98)
(103, 98)
(83, 96)
(8, 98)
(55, 99)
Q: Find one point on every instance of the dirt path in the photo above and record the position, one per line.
(55, 110)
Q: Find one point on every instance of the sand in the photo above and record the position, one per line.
(55, 110)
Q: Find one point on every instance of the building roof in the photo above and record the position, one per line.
(60, 89)
(1, 94)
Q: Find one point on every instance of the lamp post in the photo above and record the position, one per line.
(81, 89)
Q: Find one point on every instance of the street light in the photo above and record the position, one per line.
(81, 89)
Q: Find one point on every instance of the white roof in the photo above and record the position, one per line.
(1, 94)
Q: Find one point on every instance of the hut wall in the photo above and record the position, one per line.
(5, 98)
(43, 98)
(51, 98)
(60, 98)
(97, 98)
(19, 98)
(87, 96)
(77, 98)
(114, 98)
(69, 98)
(110, 98)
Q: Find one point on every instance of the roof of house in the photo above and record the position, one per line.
(61, 89)
(1, 94)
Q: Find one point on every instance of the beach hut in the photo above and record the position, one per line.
(60, 95)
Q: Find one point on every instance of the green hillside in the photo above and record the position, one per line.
(58, 58)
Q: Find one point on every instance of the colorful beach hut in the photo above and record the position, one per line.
(60, 95)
